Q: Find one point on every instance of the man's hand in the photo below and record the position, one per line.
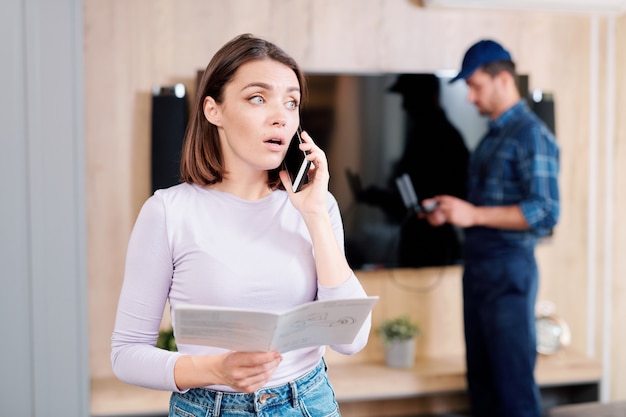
(451, 210)
(460, 213)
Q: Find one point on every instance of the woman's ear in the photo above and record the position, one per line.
(212, 111)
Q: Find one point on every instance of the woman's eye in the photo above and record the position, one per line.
(256, 99)
(292, 105)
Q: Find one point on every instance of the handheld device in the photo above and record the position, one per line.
(407, 192)
(296, 164)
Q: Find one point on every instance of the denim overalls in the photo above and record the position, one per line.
(500, 282)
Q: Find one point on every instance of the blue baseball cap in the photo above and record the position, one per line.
(481, 53)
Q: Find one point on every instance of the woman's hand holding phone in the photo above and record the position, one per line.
(312, 196)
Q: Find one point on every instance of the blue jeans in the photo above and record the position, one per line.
(500, 284)
(311, 395)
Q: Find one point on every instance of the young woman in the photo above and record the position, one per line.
(235, 234)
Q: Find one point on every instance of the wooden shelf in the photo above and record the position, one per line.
(110, 397)
(374, 381)
(359, 386)
(437, 385)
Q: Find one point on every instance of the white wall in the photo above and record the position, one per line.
(43, 354)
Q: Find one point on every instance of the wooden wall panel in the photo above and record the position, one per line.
(618, 302)
(429, 296)
(131, 45)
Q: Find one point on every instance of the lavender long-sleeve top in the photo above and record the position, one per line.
(199, 246)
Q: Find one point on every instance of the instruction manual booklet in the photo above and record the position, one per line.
(315, 323)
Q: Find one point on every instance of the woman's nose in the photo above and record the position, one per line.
(279, 115)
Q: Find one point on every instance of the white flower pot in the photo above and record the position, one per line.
(400, 354)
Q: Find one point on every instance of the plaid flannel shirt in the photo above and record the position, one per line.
(517, 163)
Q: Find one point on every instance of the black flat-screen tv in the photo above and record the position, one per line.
(376, 127)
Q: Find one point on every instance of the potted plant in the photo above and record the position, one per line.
(398, 336)
(166, 340)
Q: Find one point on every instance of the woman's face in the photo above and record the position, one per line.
(258, 117)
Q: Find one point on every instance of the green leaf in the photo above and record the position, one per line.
(399, 328)
(166, 340)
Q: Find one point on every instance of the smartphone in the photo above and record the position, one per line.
(296, 164)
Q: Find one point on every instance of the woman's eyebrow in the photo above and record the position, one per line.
(267, 86)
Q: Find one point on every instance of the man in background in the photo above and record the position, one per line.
(512, 201)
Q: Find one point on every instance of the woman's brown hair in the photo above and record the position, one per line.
(202, 159)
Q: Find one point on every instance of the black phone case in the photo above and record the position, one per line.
(296, 163)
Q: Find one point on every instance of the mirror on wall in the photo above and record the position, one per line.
(376, 127)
